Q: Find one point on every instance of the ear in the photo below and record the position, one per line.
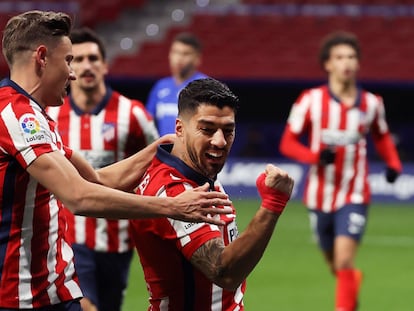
(179, 127)
(41, 56)
(327, 66)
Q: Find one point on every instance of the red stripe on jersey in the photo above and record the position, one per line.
(90, 228)
(85, 140)
(110, 137)
(113, 230)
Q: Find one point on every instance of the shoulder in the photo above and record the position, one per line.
(166, 81)
(160, 177)
(371, 96)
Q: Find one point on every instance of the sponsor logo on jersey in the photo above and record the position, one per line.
(340, 137)
(32, 131)
(233, 231)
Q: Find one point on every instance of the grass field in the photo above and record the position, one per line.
(293, 277)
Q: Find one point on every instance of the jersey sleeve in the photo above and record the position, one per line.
(382, 138)
(298, 124)
(26, 135)
(190, 236)
(145, 121)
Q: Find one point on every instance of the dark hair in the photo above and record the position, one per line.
(26, 31)
(206, 91)
(189, 39)
(337, 38)
(85, 34)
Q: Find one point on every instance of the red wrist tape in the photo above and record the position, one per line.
(272, 199)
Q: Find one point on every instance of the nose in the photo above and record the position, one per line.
(219, 139)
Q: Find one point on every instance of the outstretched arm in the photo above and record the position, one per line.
(82, 197)
(125, 174)
(227, 266)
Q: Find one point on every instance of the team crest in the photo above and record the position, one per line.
(108, 131)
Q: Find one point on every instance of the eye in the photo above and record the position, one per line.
(93, 58)
(207, 130)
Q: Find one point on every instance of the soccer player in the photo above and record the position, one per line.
(104, 127)
(202, 267)
(36, 168)
(184, 58)
(337, 117)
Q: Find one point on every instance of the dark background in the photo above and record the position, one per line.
(265, 105)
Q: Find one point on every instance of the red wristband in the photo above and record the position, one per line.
(272, 199)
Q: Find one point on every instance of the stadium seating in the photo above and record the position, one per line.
(266, 46)
(279, 47)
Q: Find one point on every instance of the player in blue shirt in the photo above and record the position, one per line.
(184, 59)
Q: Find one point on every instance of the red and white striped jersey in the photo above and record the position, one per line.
(165, 246)
(329, 123)
(117, 128)
(36, 263)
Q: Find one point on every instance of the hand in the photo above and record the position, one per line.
(326, 156)
(166, 139)
(275, 187)
(391, 174)
(196, 205)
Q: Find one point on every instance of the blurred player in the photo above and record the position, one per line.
(104, 127)
(184, 58)
(337, 118)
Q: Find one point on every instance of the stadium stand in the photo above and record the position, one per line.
(259, 39)
(281, 47)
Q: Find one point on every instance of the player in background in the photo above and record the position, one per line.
(36, 262)
(184, 58)
(201, 267)
(337, 117)
(104, 127)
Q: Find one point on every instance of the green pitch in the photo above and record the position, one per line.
(292, 275)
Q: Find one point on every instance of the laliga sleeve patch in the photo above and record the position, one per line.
(32, 129)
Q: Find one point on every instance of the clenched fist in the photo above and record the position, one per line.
(275, 187)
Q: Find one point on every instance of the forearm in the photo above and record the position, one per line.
(387, 150)
(228, 266)
(125, 174)
(291, 147)
(241, 256)
(100, 201)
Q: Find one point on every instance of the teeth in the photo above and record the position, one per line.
(216, 155)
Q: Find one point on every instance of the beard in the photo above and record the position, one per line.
(186, 70)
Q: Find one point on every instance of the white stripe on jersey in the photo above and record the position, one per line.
(25, 253)
(216, 298)
(74, 131)
(96, 122)
(149, 129)
(101, 236)
(80, 229)
(123, 124)
(51, 259)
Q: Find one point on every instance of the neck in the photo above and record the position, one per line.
(87, 100)
(346, 92)
(31, 84)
